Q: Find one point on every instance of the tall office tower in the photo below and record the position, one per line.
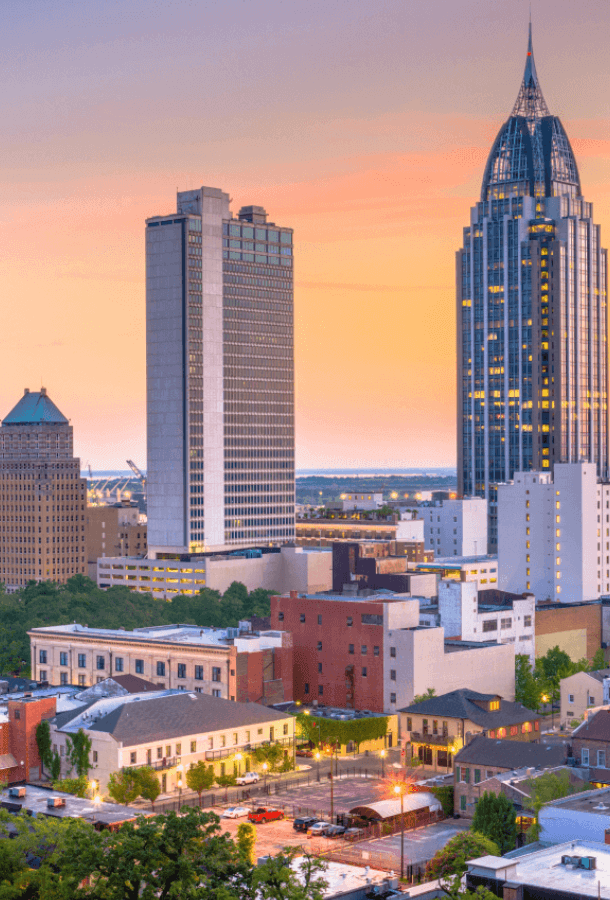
(42, 495)
(220, 378)
(531, 311)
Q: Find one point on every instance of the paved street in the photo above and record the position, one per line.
(420, 844)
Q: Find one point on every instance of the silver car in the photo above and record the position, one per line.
(235, 812)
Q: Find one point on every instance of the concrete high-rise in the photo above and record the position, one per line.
(531, 311)
(42, 495)
(220, 378)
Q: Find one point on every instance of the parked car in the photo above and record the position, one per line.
(334, 831)
(318, 829)
(304, 752)
(302, 823)
(248, 778)
(265, 814)
(354, 834)
(235, 812)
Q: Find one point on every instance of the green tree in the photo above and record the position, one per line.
(55, 766)
(78, 748)
(427, 695)
(148, 784)
(124, 786)
(547, 787)
(272, 754)
(527, 688)
(276, 879)
(200, 778)
(226, 781)
(451, 859)
(598, 662)
(78, 786)
(246, 841)
(495, 818)
(43, 742)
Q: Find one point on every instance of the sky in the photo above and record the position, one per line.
(363, 125)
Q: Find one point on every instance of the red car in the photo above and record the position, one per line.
(265, 814)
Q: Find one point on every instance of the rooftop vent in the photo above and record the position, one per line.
(54, 802)
(16, 792)
(601, 806)
(580, 862)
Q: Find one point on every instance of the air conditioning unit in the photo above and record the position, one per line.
(16, 792)
(54, 802)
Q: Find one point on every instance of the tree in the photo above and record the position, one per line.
(200, 778)
(272, 754)
(545, 788)
(246, 841)
(148, 784)
(78, 748)
(495, 818)
(77, 786)
(277, 880)
(451, 859)
(43, 742)
(598, 661)
(428, 695)
(55, 766)
(527, 688)
(124, 786)
(225, 781)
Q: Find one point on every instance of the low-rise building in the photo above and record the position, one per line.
(19, 757)
(377, 565)
(234, 663)
(569, 871)
(487, 764)
(455, 527)
(583, 816)
(115, 530)
(470, 614)
(334, 714)
(437, 728)
(591, 746)
(345, 882)
(171, 731)
(42, 801)
(285, 568)
(368, 651)
(318, 532)
(483, 570)
(582, 691)
(577, 628)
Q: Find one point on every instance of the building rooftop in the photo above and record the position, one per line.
(595, 728)
(457, 562)
(142, 718)
(547, 870)
(510, 755)
(596, 802)
(35, 408)
(342, 878)
(379, 595)
(464, 704)
(36, 800)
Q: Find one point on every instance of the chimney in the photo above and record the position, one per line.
(607, 836)
(26, 391)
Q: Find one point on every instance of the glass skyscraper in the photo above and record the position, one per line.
(220, 378)
(532, 318)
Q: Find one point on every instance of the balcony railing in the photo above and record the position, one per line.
(168, 762)
(421, 737)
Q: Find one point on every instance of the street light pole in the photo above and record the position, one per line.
(332, 793)
(265, 767)
(382, 754)
(400, 789)
(180, 769)
(318, 763)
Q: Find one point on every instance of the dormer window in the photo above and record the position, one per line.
(494, 705)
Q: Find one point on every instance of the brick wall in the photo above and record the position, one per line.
(24, 716)
(565, 625)
(264, 676)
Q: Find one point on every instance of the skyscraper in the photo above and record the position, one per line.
(42, 495)
(220, 378)
(531, 310)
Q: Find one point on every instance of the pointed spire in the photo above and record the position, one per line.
(530, 102)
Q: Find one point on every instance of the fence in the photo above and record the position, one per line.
(263, 790)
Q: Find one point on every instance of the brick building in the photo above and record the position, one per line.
(381, 565)
(573, 627)
(591, 747)
(114, 531)
(19, 757)
(367, 651)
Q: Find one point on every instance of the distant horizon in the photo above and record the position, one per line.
(303, 473)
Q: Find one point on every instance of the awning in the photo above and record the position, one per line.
(389, 809)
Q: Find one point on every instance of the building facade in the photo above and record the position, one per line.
(220, 377)
(234, 664)
(42, 495)
(581, 692)
(114, 531)
(369, 652)
(455, 527)
(554, 533)
(531, 311)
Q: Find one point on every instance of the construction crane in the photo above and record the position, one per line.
(136, 472)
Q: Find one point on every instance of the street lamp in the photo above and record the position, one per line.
(179, 770)
(318, 762)
(401, 788)
(96, 802)
(382, 755)
(265, 768)
(93, 786)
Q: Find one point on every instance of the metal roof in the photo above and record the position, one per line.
(35, 408)
(387, 809)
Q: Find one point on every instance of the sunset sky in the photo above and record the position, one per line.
(362, 124)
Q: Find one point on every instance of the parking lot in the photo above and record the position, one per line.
(274, 836)
(420, 844)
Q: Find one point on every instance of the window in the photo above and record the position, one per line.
(424, 726)
(81, 681)
(63, 659)
(319, 647)
(118, 663)
(199, 674)
(159, 752)
(320, 689)
(161, 669)
(527, 621)
(584, 756)
(466, 774)
(215, 673)
(477, 776)
(63, 678)
(82, 660)
(364, 671)
(506, 623)
(306, 687)
(494, 705)
(133, 758)
(280, 616)
(514, 730)
(393, 652)
(235, 738)
(181, 670)
(42, 656)
(591, 701)
(601, 759)
(526, 728)
(193, 746)
(364, 650)
(490, 625)
(350, 621)
(319, 667)
(319, 620)
(139, 666)
(285, 728)
(570, 698)
(100, 663)
(392, 674)
(371, 619)
(351, 648)
(302, 617)
(375, 651)
(392, 698)
(409, 723)
(215, 692)
(463, 803)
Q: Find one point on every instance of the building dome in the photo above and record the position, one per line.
(531, 154)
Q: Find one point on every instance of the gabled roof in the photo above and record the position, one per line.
(595, 728)
(35, 408)
(511, 754)
(461, 705)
